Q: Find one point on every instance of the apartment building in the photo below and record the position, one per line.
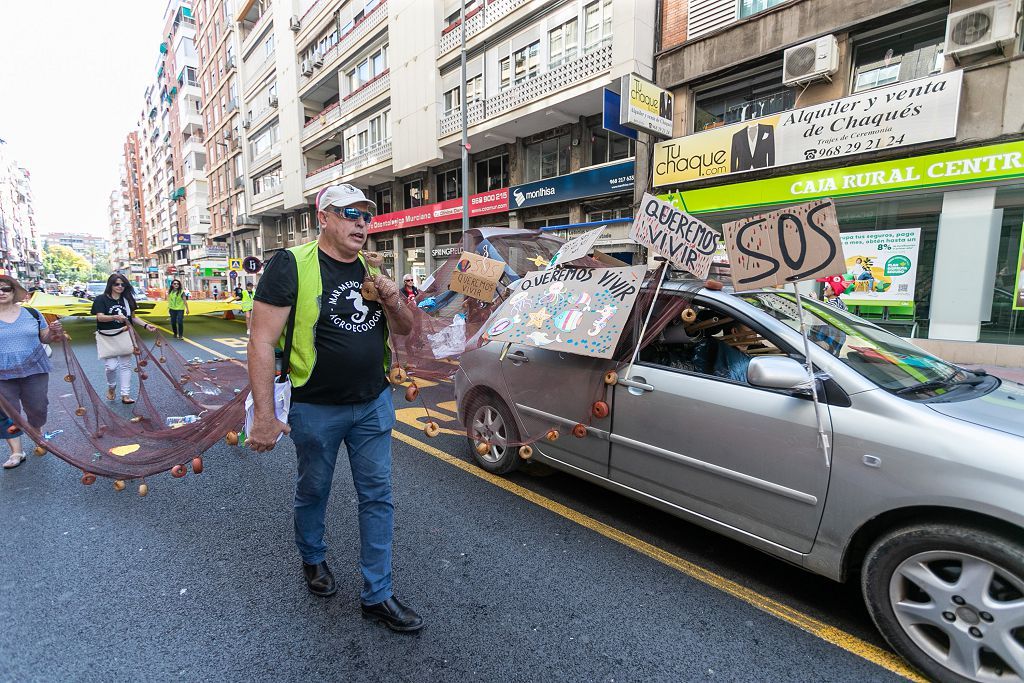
(20, 254)
(368, 92)
(232, 232)
(907, 113)
(120, 232)
(85, 244)
(134, 208)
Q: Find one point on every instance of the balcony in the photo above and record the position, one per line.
(348, 41)
(543, 85)
(374, 154)
(267, 155)
(486, 15)
(373, 88)
(326, 118)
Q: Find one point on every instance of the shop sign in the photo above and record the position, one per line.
(786, 245)
(881, 266)
(481, 204)
(610, 115)
(215, 252)
(440, 252)
(153, 269)
(593, 182)
(182, 238)
(902, 114)
(644, 106)
(978, 164)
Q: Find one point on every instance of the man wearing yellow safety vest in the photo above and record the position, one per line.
(245, 297)
(340, 393)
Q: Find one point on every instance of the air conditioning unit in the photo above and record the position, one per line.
(231, 62)
(984, 28)
(246, 122)
(318, 59)
(239, 181)
(227, 134)
(294, 23)
(810, 61)
(307, 67)
(273, 100)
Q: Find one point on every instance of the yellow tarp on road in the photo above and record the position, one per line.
(63, 306)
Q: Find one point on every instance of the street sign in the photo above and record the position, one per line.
(251, 265)
(235, 264)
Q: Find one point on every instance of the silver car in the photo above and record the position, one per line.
(919, 495)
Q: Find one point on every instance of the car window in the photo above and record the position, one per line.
(707, 340)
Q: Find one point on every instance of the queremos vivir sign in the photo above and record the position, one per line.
(592, 182)
(898, 115)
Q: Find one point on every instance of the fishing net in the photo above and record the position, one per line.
(183, 408)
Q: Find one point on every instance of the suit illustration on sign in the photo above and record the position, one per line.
(752, 147)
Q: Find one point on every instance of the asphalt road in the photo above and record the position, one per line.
(536, 577)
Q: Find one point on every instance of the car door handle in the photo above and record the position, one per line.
(518, 357)
(636, 385)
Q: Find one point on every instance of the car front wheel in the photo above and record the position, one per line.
(491, 420)
(950, 599)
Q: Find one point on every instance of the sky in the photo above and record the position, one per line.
(72, 77)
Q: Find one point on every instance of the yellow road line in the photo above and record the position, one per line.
(830, 634)
(193, 343)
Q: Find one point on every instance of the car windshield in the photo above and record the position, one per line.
(881, 356)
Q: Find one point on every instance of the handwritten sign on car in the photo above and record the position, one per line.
(678, 236)
(476, 276)
(786, 245)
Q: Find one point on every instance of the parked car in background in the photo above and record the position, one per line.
(94, 288)
(920, 497)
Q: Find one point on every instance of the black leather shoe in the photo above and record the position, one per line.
(319, 579)
(394, 615)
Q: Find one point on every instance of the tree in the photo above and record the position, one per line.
(65, 264)
(101, 268)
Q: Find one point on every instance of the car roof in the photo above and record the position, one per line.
(499, 231)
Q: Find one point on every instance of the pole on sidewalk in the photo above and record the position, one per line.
(465, 134)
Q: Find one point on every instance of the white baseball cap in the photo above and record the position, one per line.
(341, 196)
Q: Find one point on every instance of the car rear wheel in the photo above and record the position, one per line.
(491, 420)
(950, 599)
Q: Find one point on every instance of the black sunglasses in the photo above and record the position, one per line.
(6, 289)
(353, 214)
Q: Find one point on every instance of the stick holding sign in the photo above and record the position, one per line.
(678, 236)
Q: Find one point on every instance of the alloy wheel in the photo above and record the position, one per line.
(489, 425)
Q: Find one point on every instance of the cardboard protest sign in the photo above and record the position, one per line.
(476, 276)
(575, 310)
(577, 247)
(681, 238)
(786, 245)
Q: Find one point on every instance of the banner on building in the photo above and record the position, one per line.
(644, 106)
(676, 235)
(592, 182)
(881, 266)
(898, 115)
(786, 245)
(574, 310)
(481, 204)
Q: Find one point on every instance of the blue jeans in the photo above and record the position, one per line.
(177, 323)
(365, 428)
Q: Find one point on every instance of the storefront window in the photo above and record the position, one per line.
(608, 146)
(449, 184)
(382, 198)
(896, 57)
(1005, 324)
(759, 95)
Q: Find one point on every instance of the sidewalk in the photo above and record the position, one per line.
(1011, 374)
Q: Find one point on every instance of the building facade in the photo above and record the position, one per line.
(317, 83)
(905, 113)
(134, 209)
(83, 243)
(20, 253)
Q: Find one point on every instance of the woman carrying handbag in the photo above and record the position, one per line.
(114, 309)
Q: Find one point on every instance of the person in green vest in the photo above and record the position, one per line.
(245, 297)
(177, 306)
(340, 392)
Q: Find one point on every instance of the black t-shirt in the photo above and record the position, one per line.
(350, 332)
(110, 306)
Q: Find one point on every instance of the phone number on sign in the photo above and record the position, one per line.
(845, 148)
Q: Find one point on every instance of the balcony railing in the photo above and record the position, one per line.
(374, 154)
(267, 194)
(349, 41)
(318, 123)
(543, 85)
(488, 14)
(377, 85)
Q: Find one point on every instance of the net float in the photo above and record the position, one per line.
(183, 380)
(431, 429)
(69, 378)
(713, 285)
(137, 351)
(611, 377)
(80, 411)
(135, 418)
(600, 410)
(178, 471)
(579, 431)
(398, 375)
(369, 291)
(39, 450)
(483, 448)
(551, 435)
(162, 359)
(197, 465)
(159, 342)
(373, 258)
(525, 452)
(143, 363)
(12, 429)
(411, 393)
(143, 490)
(688, 315)
(88, 478)
(143, 375)
(231, 438)
(119, 485)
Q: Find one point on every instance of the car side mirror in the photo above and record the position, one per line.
(778, 372)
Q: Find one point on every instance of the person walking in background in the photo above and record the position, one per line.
(409, 290)
(177, 305)
(24, 365)
(114, 310)
(245, 296)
